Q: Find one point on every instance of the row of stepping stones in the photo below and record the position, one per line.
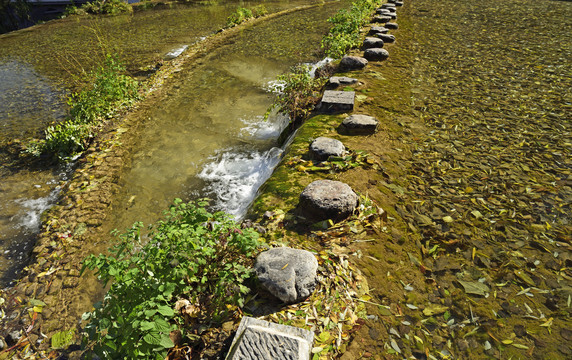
(287, 273)
(290, 274)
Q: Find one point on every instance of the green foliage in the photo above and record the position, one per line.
(346, 25)
(299, 92)
(192, 255)
(243, 14)
(63, 339)
(102, 7)
(109, 92)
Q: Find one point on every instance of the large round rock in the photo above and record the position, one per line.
(289, 274)
(374, 30)
(372, 42)
(323, 147)
(327, 199)
(387, 38)
(376, 54)
(352, 63)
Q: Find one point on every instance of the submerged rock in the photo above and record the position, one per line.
(289, 274)
(372, 42)
(359, 124)
(352, 63)
(323, 147)
(327, 199)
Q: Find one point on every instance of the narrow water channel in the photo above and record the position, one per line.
(209, 137)
(40, 65)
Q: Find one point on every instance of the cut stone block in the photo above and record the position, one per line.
(334, 101)
(341, 80)
(360, 124)
(262, 340)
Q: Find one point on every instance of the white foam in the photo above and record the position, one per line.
(176, 52)
(260, 129)
(233, 178)
(32, 210)
(312, 67)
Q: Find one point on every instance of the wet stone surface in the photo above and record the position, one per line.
(349, 63)
(376, 54)
(323, 147)
(359, 124)
(327, 199)
(334, 101)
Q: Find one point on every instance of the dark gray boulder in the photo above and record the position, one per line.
(391, 26)
(372, 42)
(376, 54)
(289, 274)
(352, 63)
(327, 199)
(374, 30)
(381, 19)
(387, 38)
(388, 6)
(323, 147)
(359, 124)
(381, 11)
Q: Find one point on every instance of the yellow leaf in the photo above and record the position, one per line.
(507, 342)
(37, 309)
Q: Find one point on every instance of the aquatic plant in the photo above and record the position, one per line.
(193, 261)
(298, 92)
(346, 25)
(109, 92)
(243, 14)
(102, 7)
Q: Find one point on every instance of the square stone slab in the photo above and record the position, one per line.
(262, 340)
(333, 101)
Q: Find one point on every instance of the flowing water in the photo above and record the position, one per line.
(209, 137)
(218, 106)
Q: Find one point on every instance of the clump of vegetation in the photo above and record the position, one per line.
(194, 261)
(101, 7)
(243, 14)
(298, 92)
(109, 92)
(344, 33)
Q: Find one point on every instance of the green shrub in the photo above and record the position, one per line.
(103, 7)
(346, 25)
(239, 16)
(193, 255)
(299, 92)
(109, 92)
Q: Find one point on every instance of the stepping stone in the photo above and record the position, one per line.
(391, 26)
(349, 63)
(289, 274)
(387, 38)
(358, 124)
(334, 101)
(383, 11)
(376, 54)
(327, 199)
(262, 340)
(388, 6)
(398, 3)
(381, 19)
(341, 80)
(372, 42)
(374, 30)
(323, 147)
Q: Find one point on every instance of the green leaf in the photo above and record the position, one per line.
(166, 311)
(63, 339)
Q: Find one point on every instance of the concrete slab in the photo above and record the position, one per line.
(262, 340)
(334, 101)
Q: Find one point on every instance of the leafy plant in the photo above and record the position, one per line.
(346, 25)
(103, 7)
(298, 91)
(110, 91)
(243, 14)
(191, 255)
